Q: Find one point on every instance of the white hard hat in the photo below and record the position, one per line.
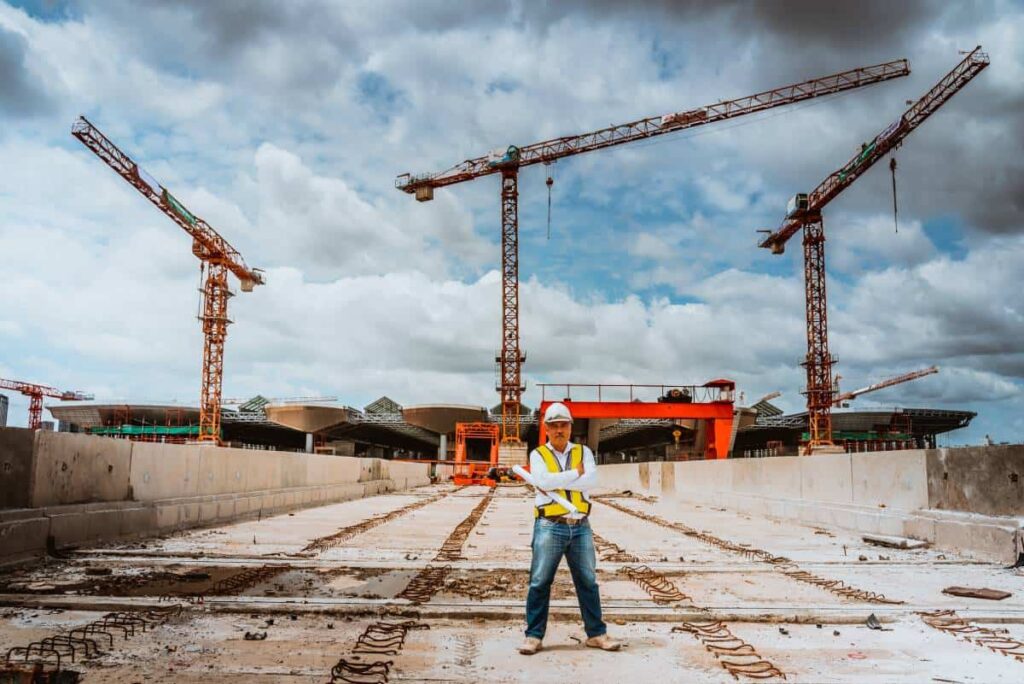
(557, 413)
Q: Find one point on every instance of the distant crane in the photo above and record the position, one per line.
(804, 213)
(508, 161)
(35, 394)
(217, 258)
(842, 400)
(768, 397)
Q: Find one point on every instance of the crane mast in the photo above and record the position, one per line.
(508, 161)
(35, 394)
(217, 256)
(804, 213)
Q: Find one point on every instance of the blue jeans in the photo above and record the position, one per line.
(551, 541)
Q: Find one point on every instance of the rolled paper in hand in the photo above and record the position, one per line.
(526, 477)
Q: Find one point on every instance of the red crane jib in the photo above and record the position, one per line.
(208, 244)
(35, 394)
(29, 388)
(887, 140)
(557, 148)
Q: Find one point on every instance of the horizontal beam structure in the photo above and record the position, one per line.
(640, 409)
(719, 416)
(552, 150)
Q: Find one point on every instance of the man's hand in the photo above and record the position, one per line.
(579, 469)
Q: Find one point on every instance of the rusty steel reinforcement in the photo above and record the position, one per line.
(948, 621)
(661, 589)
(321, 544)
(451, 549)
(380, 638)
(430, 579)
(737, 656)
(388, 638)
(610, 551)
(233, 584)
(85, 641)
(354, 672)
(780, 563)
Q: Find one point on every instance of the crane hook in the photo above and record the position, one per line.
(549, 182)
(892, 168)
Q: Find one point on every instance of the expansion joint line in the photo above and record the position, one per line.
(779, 563)
(738, 657)
(948, 621)
(321, 544)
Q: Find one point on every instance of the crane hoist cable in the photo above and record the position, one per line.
(549, 182)
(892, 168)
(199, 289)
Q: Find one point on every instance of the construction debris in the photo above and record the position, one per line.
(894, 542)
(971, 592)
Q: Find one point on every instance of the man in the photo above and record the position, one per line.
(568, 469)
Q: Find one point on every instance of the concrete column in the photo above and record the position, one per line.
(442, 448)
(309, 442)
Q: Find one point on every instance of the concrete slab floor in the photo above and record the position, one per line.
(313, 607)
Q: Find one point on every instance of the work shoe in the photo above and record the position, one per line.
(604, 642)
(530, 646)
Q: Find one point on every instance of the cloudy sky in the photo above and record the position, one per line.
(284, 125)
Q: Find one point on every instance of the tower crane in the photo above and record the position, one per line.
(804, 213)
(506, 162)
(216, 255)
(35, 394)
(842, 400)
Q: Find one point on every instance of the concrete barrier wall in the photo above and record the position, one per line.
(74, 488)
(16, 467)
(987, 480)
(964, 500)
(56, 469)
(76, 468)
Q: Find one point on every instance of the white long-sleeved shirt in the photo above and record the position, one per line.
(568, 478)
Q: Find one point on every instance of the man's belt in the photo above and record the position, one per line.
(566, 520)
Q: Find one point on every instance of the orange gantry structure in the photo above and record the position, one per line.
(475, 472)
(711, 402)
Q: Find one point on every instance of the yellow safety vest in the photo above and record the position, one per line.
(554, 509)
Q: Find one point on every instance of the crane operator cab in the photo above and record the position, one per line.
(796, 205)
